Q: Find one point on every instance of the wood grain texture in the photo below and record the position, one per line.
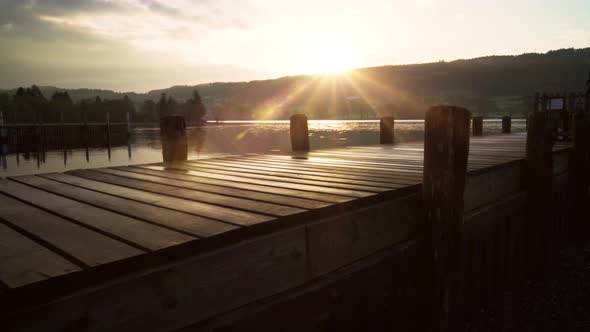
(83, 204)
(84, 245)
(23, 261)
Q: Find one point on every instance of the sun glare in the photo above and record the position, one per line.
(324, 54)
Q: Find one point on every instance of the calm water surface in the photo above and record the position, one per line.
(228, 138)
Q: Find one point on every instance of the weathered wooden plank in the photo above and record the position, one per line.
(311, 159)
(327, 177)
(474, 161)
(114, 223)
(339, 240)
(126, 179)
(178, 180)
(23, 261)
(280, 184)
(91, 190)
(181, 293)
(304, 165)
(326, 163)
(85, 246)
(139, 233)
(328, 184)
(294, 168)
(194, 177)
(486, 187)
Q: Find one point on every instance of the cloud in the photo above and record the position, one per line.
(159, 7)
(127, 44)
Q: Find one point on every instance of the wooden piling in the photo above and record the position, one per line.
(477, 125)
(107, 128)
(446, 148)
(128, 122)
(579, 179)
(386, 126)
(539, 178)
(3, 135)
(506, 125)
(299, 133)
(173, 136)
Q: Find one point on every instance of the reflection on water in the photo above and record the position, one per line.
(52, 151)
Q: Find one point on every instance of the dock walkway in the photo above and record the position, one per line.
(67, 235)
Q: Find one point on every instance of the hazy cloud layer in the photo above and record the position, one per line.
(143, 44)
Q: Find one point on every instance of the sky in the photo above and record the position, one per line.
(138, 45)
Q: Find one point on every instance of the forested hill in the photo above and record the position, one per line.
(490, 86)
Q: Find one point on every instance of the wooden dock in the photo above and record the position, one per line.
(160, 247)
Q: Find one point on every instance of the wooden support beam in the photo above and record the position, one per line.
(539, 179)
(299, 133)
(506, 125)
(173, 135)
(579, 179)
(477, 125)
(446, 147)
(386, 126)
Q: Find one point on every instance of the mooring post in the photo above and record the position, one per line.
(446, 147)
(3, 134)
(477, 125)
(299, 133)
(128, 122)
(107, 127)
(579, 179)
(86, 131)
(506, 124)
(173, 136)
(62, 135)
(386, 126)
(539, 183)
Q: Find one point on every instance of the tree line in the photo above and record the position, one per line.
(29, 105)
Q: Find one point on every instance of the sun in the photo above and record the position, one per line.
(321, 53)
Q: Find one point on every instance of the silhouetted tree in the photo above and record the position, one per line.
(193, 109)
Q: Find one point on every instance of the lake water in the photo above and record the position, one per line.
(228, 138)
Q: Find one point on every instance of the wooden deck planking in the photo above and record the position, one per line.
(80, 244)
(149, 184)
(289, 167)
(293, 164)
(101, 220)
(149, 207)
(286, 174)
(354, 193)
(24, 261)
(184, 181)
(194, 176)
(350, 186)
(88, 205)
(125, 197)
